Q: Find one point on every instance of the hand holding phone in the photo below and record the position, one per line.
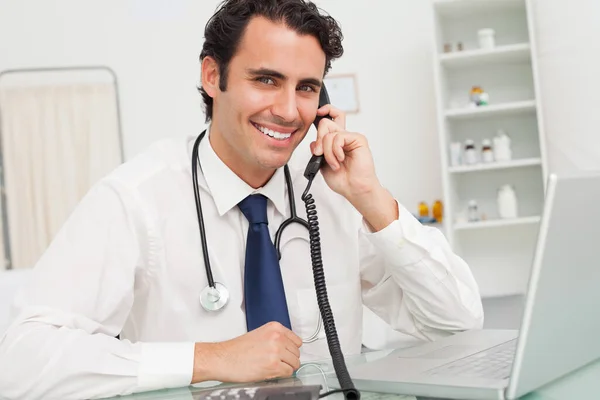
(316, 162)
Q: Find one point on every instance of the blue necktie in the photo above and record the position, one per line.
(264, 294)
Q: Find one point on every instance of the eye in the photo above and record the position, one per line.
(266, 80)
(306, 88)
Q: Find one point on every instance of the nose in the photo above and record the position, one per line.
(285, 106)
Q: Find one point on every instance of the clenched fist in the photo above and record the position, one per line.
(271, 351)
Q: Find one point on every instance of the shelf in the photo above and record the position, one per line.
(497, 223)
(454, 8)
(498, 251)
(526, 162)
(515, 53)
(517, 107)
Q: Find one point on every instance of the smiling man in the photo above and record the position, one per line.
(263, 99)
(114, 306)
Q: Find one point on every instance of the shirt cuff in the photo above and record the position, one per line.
(165, 365)
(399, 240)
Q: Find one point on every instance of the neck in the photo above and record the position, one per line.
(254, 175)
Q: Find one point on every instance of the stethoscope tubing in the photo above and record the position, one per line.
(215, 296)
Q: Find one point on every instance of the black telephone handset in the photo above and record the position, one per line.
(339, 363)
(316, 162)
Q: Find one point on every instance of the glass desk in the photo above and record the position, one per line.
(581, 384)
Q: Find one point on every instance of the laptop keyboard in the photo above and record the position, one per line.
(494, 363)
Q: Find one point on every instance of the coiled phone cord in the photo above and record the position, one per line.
(339, 363)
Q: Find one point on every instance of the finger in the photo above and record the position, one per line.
(293, 342)
(295, 339)
(292, 348)
(338, 146)
(285, 371)
(313, 146)
(289, 359)
(328, 150)
(339, 117)
(352, 141)
(325, 126)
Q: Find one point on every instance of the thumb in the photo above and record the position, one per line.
(313, 148)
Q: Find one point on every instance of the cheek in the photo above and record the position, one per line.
(252, 102)
(308, 112)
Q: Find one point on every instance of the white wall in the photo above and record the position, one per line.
(153, 50)
(154, 46)
(568, 34)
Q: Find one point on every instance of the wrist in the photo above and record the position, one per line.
(377, 206)
(206, 362)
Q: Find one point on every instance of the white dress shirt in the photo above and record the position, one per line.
(129, 261)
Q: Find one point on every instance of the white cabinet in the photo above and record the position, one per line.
(499, 251)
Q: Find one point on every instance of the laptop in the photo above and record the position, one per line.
(560, 327)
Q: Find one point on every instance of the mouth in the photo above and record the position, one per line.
(276, 134)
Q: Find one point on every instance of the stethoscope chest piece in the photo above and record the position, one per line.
(213, 299)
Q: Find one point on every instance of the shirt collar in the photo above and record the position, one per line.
(228, 189)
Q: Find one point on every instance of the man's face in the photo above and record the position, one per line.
(271, 97)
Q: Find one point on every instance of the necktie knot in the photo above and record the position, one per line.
(254, 208)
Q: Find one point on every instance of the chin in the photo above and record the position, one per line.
(274, 160)
(273, 164)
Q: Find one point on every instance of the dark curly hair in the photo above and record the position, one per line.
(225, 28)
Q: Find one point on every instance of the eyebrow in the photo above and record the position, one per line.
(278, 75)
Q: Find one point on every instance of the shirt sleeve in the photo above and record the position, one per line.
(62, 342)
(413, 280)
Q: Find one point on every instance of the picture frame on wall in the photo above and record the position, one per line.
(343, 92)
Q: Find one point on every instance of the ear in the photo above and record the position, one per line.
(210, 76)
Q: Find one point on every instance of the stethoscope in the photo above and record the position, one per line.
(215, 296)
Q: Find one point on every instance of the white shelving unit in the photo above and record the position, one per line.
(509, 108)
(499, 251)
(525, 162)
(496, 223)
(519, 52)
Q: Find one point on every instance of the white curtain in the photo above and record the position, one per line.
(57, 141)
(3, 259)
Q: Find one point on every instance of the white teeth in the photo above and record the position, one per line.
(273, 134)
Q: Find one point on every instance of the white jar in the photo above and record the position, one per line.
(487, 38)
(487, 154)
(470, 155)
(472, 211)
(507, 202)
(501, 146)
(455, 154)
